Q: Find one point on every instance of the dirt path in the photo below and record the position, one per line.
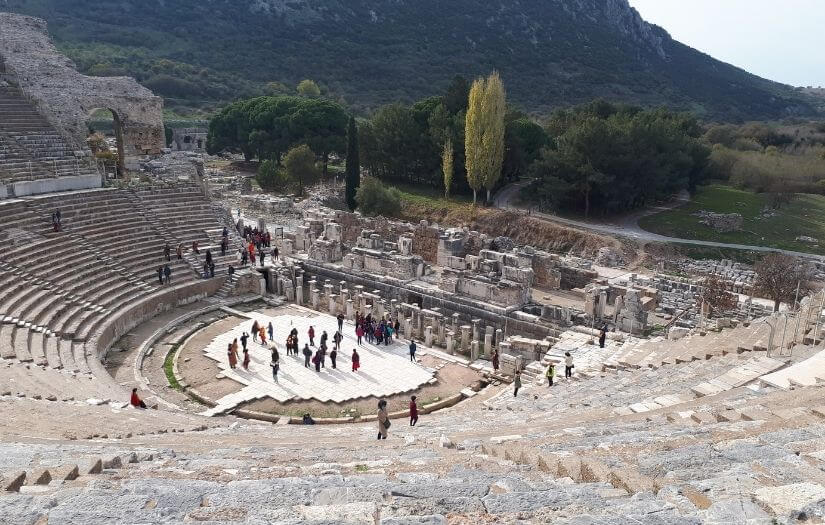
(629, 226)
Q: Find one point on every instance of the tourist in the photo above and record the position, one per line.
(262, 256)
(388, 334)
(275, 253)
(316, 360)
(167, 252)
(208, 256)
(223, 246)
(230, 271)
(336, 340)
(397, 327)
(413, 348)
(262, 335)
(160, 275)
(267, 239)
(239, 213)
(516, 383)
(333, 356)
(413, 412)
(205, 270)
(179, 251)
(359, 333)
(307, 420)
(383, 419)
(195, 247)
(602, 335)
(568, 365)
(246, 359)
(311, 335)
(322, 352)
(233, 356)
(356, 360)
(495, 360)
(225, 232)
(255, 330)
(252, 253)
(324, 338)
(275, 363)
(271, 330)
(307, 355)
(167, 274)
(212, 269)
(136, 401)
(55, 222)
(244, 339)
(340, 318)
(550, 374)
(242, 256)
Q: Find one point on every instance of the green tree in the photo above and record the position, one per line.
(457, 95)
(299, 163)
(447, 166)
(473, 132)
(374, 198)
(492, 142)
(308, 88)
(271, 176)
(353, 168)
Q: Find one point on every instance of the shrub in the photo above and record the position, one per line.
(374, 198)
(272, 177)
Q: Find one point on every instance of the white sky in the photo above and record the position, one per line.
(783, 40)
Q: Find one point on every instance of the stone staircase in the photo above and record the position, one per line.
(30, 148)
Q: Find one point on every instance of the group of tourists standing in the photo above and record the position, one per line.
(375, 331)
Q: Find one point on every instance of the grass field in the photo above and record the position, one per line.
(804, 215)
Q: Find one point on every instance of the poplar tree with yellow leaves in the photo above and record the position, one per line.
(447, 165)
(484, 133)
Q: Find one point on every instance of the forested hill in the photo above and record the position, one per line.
(551, 53)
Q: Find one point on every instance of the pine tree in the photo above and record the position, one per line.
(353, 169)
(447, 165)
(473, 129)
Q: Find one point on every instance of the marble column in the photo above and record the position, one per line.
(428, 336)
(465, 338)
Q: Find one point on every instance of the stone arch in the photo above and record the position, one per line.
(117, 126)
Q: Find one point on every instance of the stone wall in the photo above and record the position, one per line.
(67, 98)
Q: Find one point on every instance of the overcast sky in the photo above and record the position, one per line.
(783, 40)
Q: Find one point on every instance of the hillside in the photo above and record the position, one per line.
(201, 53)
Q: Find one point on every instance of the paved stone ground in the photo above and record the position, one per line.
(385, 370)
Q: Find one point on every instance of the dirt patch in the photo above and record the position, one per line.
(451, 379)
(198, 370)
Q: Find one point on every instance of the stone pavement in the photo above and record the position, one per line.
(385, 370)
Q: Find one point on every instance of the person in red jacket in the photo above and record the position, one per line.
(136, 401)
(356, 360)
(311, 334)
(413, 412)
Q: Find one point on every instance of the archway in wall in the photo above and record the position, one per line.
(105, 139)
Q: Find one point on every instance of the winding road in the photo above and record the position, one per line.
(629, 225)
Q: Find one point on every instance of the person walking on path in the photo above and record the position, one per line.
(275, 363)
(167, 252)
(262, 256)
(516, 383)
(383, 419)
(246, 359)
(340, 318)
(568, 365)
(550, 374)
(256, 328)
(271, 330)
(333, 356)
(311, 335)
(307, 355)
(233, 357)
(413, 412)
(167, 274)
(324, 338)
(244, 339)
(356, 360)
(336, 340)
(387, 334)
(359, 333)
(413, 348)
(322, 355)
(602, 335)
(262, 335)
(316, 360)
(495, 360)
(160, 275)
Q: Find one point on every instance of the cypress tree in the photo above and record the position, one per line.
(353, 169)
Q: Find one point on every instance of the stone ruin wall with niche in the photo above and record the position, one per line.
(67, 98)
